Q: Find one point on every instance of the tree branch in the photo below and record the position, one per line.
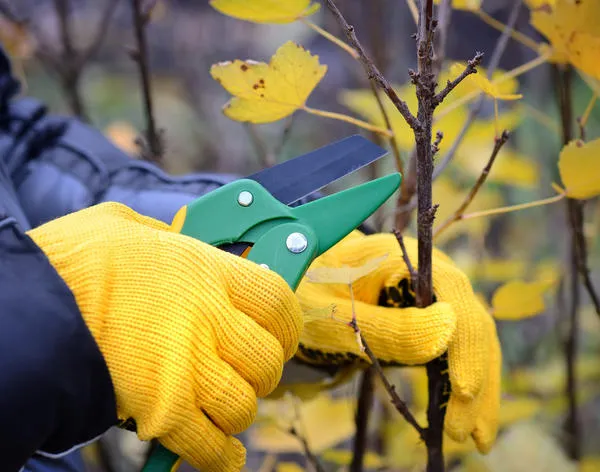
(451, 85)
(371, 70)
(152, 147)
(498, 143)
(101, 31)
(411, 269)
(390, 389)
(365, 402)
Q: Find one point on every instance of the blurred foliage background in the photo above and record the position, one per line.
(185, 37)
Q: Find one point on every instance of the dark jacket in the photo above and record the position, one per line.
(55, 389)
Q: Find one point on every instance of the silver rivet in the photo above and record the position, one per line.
(265, 266)
(296, 242)
(245, 198)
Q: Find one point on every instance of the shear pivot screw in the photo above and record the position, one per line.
(245, 198)
(296, 242)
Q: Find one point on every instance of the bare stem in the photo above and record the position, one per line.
(365, 402)
(575, 216)
(411, 269)
(499, 142)
(152, 149)
(312, 458)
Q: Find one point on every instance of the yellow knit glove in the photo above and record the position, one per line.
(191, 335)
(457, 322)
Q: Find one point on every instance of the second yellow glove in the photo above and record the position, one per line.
(191, 335)
(456, 323)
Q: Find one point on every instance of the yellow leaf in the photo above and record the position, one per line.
(266, 11)
(15, 38)
(345, 274)
(450, 196)
(517, 300)
(289, 467)
(510, 167)
(463, 4)
(578, 165)
(323, 421)
(264, 93)
(517, 409)
(449, 117)
(123, 135)
(562, 22)
(590, 464)
(344, 457)
(480, 81)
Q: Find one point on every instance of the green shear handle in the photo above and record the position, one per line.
(282, 238)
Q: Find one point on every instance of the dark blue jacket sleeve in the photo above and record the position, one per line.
(55, 389)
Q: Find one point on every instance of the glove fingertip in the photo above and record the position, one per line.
(484, 438)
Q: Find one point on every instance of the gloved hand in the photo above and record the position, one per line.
(457, 322)
(191, 335)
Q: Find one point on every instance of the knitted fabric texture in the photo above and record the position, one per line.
(457, 323)
(191, 335)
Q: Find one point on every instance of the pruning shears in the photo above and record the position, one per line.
(252, 218)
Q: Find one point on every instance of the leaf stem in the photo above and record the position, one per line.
(499, 142)
(327, 35)
(511, 208)
(348, 119)
(517, 36)
(414, 12)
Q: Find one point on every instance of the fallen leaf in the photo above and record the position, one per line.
(264, 93)
(345, 274)
(578, 165)
(518, 300)
(266, 11)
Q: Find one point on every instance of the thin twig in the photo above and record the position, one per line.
(409, 266)
(563, 79)
(312, 458)
(152, 148)
(287, 129)
(388, 125)
(390, 389)
(361, 420)
(471, 68)
(262, 151)
(101, 31)
(371, 69)
(498, 143)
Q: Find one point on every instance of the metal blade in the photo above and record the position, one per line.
(296, 178)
